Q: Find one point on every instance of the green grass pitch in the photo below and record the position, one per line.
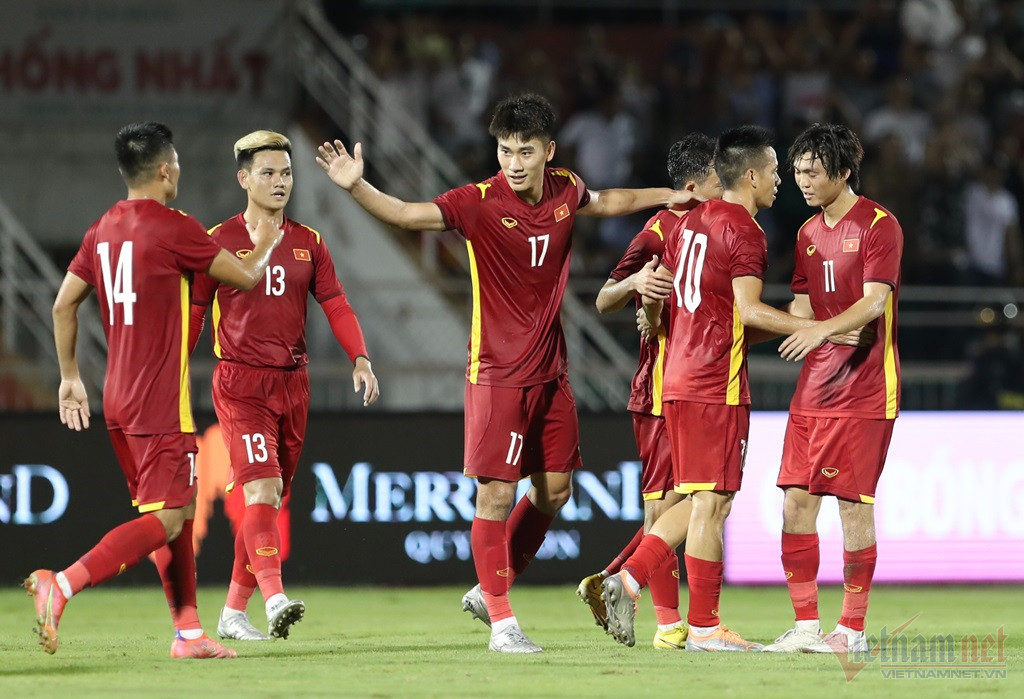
(402, 642)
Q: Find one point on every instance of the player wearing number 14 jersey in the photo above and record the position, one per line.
(140, 257)
(841, 417)
(520, 413)
(260, 386)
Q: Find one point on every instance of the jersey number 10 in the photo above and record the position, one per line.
(691, 266)
(117, 287)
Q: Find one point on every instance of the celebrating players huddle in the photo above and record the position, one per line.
(696, 274)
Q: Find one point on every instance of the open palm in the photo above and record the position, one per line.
(343, 169)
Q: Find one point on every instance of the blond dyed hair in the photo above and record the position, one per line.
(251, 144)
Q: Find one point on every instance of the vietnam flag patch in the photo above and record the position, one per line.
(851, 245)
(302, 255)
(562, 212)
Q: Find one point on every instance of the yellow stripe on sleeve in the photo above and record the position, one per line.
(184, 389)
(889, 363)
(474, 333)
(732, 392)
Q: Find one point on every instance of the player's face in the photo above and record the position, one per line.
(269, 180)
(815, 185)
(710, 187)
(767, 181)
(523, 164)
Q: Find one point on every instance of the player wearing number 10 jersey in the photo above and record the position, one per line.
(841, 418)
(717, 255)
(520, 413)
(140, 256)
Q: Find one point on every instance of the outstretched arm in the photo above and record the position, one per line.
(72, 400)
(621, 202)
(346, 171)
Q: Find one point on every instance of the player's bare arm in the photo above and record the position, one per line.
(622, 202)
(72, 400)
(364, 379)
(247, 272)
(614, 295)
(800, 307)
(754, 313)
(868, 308)
(346, 171)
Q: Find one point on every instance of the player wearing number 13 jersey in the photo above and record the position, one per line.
(715, 256)
(141, 257)
(841, 417)
(520, 413)
(260, 386)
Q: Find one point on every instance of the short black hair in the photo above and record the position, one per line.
(739, 150)
(836, 146)
(527, 116)
(140, 147)
(690, 159)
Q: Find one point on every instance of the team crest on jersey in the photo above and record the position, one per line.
(509, 222)
(810, 250)
(562, 212)
(302, 255)
(830, 472)
(243, 253)
(851, 245)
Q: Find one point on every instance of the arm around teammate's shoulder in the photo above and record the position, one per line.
(622, 202)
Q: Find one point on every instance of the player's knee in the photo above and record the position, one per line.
(173, 521)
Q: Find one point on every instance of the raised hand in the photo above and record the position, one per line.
(73, 404)
(343, 169)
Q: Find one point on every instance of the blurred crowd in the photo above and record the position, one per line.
(935, 88)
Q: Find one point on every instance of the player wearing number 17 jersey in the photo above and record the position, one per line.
(260, 385)
(520, 413)
(841, 417)
(140, 257)
(715, 256)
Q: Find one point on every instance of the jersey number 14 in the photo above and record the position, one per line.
(117, 287)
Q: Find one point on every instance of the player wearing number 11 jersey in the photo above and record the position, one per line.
(520, 413)
(260, 386)
(140, 257)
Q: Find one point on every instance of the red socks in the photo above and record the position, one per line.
(263, 544)
(648, 557)
(176, 563)
(800, 558)
(616, 565)
(119, 550)
(243, 581)
(490, 557)
(858, 571)
(704, 578)
(526, 528)
(664, 586)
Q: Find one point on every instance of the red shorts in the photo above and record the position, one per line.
(262, 414)
(160, 469)
(656, 477)
(512, 433)
(841, 456)
(709, 445)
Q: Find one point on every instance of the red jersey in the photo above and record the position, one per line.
(832, 265)
(519, 264)
(707, 350)
(266, 326)
(140, 257)
(646, 390)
